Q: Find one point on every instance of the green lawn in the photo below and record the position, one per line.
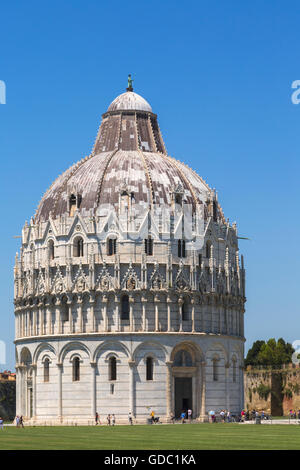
(155, 437)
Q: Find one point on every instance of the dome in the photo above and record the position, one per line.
(130, 101)
(129, 151)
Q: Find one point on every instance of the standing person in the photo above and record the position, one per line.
(97, 419)
(108, 420)
(130, 418)
(1, 423)
(228, 417)
(222, 415)
(113, 420)
(17, 421)
(183, 417)
(152, 414)
(190, 413)
(21, 421)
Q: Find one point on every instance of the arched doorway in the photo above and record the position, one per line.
(186, 372)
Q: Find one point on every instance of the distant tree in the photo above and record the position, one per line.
(270, 353)
(251, 359)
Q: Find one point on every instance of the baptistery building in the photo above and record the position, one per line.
(129, 290)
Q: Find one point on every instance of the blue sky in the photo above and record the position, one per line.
(219, 76)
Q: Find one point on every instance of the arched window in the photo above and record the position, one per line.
(46, 370)
(185, 311)
(76, 369)
(125, 308)
(111, 246)
(183, 359)
(112, 368)
(149, 368)
(181, 249)
(208, 245)
(78, 247)
(215, 369)
(200, 260)
(64, 310)
(72, 205)
(149, 246)
(51, 249)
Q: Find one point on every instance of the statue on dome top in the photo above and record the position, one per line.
(130, 80)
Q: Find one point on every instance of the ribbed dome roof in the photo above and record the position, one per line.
(129, 152)
(130, 101)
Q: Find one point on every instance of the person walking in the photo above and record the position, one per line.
(21, 421)
(113, 420)
(108, 420)
(97, 419)
(130, 418)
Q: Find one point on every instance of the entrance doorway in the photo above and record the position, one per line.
(183, 395)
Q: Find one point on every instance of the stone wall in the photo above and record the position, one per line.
(275, 391)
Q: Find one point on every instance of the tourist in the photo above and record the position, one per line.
(1, 423)
(183, 417)
(17, 421)
(242, 416)
(130, 418)
(21, 421)
(228, 416)
(113, 420)
(152, 417)
(108, 420)
(222, 416)
(190, 412)
(97, 418)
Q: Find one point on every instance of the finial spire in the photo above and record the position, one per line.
(130, 80)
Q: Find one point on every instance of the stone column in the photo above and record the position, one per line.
(193, 314)
(80, 319)
(93, 400)
(34, 367)
(169, 302)
(118, 320)
(70, 317)
(59, 317)
(180, 303)
(169, 389)
(227, 365)
(105, 318)
(144, 303)
(131, 387)
(59, 367)
(203, 414)
(34, 313)
(131, 317)
(49, 319)
(92, 307)
(156, 300)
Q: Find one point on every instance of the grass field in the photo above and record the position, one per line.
(156, 437)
